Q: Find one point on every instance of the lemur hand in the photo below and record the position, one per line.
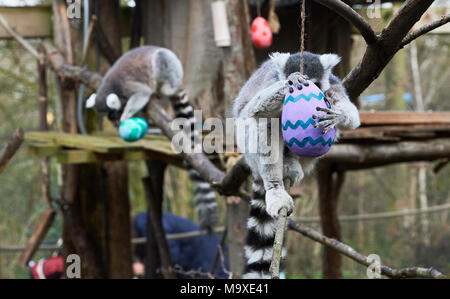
(277, 198)
(296, 79)
(330, 120)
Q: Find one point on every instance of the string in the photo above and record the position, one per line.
(302, 36)
(258, 8)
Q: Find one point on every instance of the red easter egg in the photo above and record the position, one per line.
(261, 33)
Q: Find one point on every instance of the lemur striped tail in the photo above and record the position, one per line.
(204, 196)
(261, 235)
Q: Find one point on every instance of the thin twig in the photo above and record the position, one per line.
(361, 259)
(278, 244)
(425, 29)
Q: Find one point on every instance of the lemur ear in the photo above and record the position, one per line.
(329, 61)
(90, 102)
(113, 102)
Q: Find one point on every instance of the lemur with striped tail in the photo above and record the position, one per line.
(262, 96)
(125, 91)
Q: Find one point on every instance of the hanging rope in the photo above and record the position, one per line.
(302, 36)
(258, 8)
(282, 214)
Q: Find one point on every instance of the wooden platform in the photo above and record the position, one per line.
(75, 149)
(376, 128)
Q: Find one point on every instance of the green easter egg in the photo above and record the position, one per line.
(133, 129)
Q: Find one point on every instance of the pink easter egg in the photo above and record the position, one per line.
(261, 33)
(297, 122)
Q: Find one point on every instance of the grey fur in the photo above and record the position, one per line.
(134, 78)
(263, 95)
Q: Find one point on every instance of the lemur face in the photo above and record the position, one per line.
(113, 105)
(317, 67)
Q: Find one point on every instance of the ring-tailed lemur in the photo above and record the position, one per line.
(262, 96)
(132, 80)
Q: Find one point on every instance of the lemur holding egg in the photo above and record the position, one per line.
(262, 96)
(126, 89)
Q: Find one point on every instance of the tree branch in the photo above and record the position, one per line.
(10, 149)
(278, 244)
(352, 17)
(361, 259)
(425, 29)
(378, 54)
(403, 151)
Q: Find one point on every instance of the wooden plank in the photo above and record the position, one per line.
(419, 131)
(38, 151)
(36, 21)
(403, 118)
(28, 21)
(90, 143)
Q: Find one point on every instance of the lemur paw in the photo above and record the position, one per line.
(293, 171)
(330, 120)
(276, 199)
(296, 79)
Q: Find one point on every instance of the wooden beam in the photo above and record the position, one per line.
(403, 118)
(387, 153)
(28, 21)
(36, 21)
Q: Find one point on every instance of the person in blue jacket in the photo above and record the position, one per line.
(189, 253)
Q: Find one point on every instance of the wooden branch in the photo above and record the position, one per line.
(44, 224)
(352, 17)
(383, 154)
(278, 244)
(59, 65)
(378, 54)
(10, 149)
(361, 259)
(222, 183)
(234, 178)
(105, 46)
(425, 29)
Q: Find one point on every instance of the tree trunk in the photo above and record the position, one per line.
(329, 33)
(154, 184)
(330, 184)
(97, 193)
(213, 76)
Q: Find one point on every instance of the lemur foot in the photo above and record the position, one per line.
(330, 120)
(276, 199)
(296, 79)
(293, 171)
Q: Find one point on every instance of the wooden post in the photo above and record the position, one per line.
(237, 214)
(330, 183)
(154, 190)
